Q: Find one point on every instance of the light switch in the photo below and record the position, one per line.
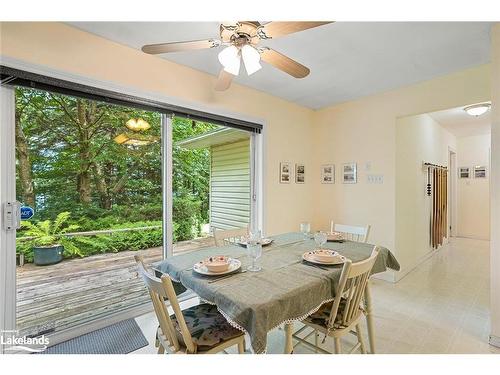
(375, 178)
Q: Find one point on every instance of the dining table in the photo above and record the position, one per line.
(287, 289)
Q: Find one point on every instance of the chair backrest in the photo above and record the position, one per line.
(159, 290)
(350, 290)
(229, 237)
(351, 232)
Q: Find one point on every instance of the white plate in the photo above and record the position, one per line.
(264, 242)
(309, 257)
(234, 265)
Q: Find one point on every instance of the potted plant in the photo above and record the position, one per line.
(49, 241)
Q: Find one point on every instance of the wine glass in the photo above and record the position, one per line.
(305, 228)
(320, 239)
(254, 247)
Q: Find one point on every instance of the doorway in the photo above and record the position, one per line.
(452, 193)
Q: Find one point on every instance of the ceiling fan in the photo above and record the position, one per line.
(241, 40)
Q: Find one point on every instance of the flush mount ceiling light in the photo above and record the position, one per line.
(241, 40)
(477, 109)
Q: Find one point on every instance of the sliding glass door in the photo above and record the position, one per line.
(92, 174)
(99, 183)
(211, 182)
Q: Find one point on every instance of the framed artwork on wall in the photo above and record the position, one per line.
(479, 171)
(464, 172)
(349, 173)
(328, 174)
(285, 172)
(300, 173)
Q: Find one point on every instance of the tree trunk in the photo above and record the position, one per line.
(83, 178)
(24, 164)
(102, 187)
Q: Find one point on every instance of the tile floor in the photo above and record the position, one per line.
(440, 307)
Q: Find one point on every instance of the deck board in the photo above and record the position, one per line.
(78, 291)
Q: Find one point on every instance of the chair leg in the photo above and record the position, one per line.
(241, 347)
(361, 340)
(161, 349)
(288, 338)
(338, 348)
(316, 341)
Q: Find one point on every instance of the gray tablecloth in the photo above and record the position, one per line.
(285, 290)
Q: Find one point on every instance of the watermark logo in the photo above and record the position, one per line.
(12, 342)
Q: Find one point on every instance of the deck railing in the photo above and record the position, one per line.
(95, 232)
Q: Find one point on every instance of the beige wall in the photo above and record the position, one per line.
(418, 139)
(287, 126)
(364, 130)
(473, 195)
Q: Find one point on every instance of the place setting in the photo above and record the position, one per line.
(322, 258)
(221, 266)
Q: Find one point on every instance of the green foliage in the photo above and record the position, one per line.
(49, 233)
(103, 243)
(70, 139)
(186, 211)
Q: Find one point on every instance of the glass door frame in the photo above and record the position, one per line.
(7, 194)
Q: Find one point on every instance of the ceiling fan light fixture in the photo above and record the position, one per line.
(230, 59)
(477, 109)
(251, 59)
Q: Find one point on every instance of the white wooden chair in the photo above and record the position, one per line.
(229, 237)
(351, 232)
(342, 315)
(199, 329)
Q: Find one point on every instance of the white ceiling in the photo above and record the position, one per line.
(460, 124)
(348, 60)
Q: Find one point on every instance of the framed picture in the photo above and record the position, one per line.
(479, 171)
(349, 173)
(300, 173)
(328, 174)
(464, 172)
(285, 172)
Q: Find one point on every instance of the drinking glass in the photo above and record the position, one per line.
(320, 239)
(254, 247)
(305, 228)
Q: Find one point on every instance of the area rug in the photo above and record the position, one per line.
(120, 338)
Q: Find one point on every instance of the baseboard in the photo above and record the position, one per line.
(494, 341)
(405, 271)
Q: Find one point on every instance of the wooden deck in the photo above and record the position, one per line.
(77, 291)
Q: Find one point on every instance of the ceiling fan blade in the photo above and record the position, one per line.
(224, 81)
(284, 63)
(155, 49)
(277, 29)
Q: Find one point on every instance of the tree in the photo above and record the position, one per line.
(68, 160)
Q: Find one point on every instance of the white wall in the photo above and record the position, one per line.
(418, 139)
(473, 195)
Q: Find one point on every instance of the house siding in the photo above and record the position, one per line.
(230, 185)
